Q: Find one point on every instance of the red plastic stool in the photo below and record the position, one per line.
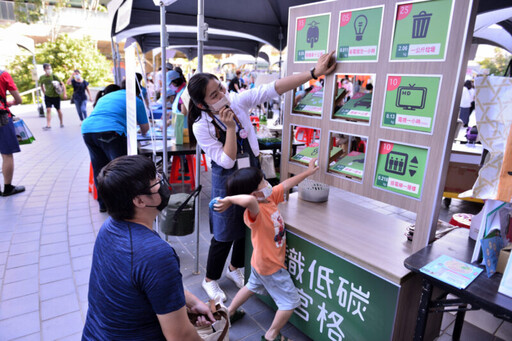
(255, 120)
(304, 135)
(461, 220)
(92, 186)
(176, 174)
(203, 163)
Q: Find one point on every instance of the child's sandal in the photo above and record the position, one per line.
(239, 313)
(279, 337)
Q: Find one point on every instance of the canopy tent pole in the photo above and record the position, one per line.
(280, 118)
(114, 60)
(163, 91)
(201, 38)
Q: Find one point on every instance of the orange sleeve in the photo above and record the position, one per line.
(277, 195)
(250, 222)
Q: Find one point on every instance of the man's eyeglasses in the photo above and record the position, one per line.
(161, 180)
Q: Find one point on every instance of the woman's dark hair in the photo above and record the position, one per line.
(244, 181)
(139, 80)
(468, 84)
(197, 91)
(121, 180)
(179, 81)
(108, 89)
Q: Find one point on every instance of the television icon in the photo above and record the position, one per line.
(411, 97)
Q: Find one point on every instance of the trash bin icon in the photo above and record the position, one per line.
(420, 24)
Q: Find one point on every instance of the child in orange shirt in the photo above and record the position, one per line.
(248, 188)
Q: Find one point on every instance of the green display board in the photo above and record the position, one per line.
(357, 108)
(359, 34)
(311, 37)
(401, 168)
(339, 300)
(311, 103)
(411, 102)
(421, 30)
(351, 165)
(309, 153)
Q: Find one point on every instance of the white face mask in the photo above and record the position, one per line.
(48, 71)
(224, 101)
(264, 193)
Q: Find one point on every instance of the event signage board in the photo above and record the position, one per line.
(411, 102)
(311, 37)
(311, 103)
(358, 108)
(421, 30)
(359, 34)
(351, 165)
(338, 299)
(401, 168)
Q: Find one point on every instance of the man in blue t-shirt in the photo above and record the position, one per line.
(136, 289)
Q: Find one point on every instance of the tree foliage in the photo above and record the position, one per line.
(32, 11)
(496, 64)
(65, 55)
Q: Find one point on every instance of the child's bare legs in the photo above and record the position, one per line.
(282, 316)
(240, 298)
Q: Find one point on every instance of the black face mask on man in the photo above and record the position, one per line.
(164, 194)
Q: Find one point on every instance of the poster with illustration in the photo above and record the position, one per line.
(401, 168)
(411, 102)
(311, 37)
(421, 30)
(359, 34)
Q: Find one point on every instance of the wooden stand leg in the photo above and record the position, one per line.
(459, 321)
(421, 320)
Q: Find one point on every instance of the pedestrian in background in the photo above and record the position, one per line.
(104, 131)
(80, 86)
(8, 141)
(52, 87)
(465, 103)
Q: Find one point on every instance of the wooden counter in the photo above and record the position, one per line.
(372, 240)
(375, 245)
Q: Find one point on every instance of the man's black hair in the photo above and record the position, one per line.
(244, 181)
(121, 180)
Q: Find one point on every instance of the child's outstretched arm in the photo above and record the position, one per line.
(245, 200)
(295, 180)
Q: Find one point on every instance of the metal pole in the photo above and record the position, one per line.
(37, 81)
(280, 118)
(163, 45)
(200, 46)
(114, 60)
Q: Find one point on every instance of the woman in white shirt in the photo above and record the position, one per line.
(221, 125)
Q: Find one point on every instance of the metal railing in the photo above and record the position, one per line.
(32, 92)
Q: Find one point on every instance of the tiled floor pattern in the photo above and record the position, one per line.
(47, 236)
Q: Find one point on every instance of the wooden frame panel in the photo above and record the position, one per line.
(438, 143)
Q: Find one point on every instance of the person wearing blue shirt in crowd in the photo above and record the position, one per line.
(80, 86)
(104, 131)
(136, 288)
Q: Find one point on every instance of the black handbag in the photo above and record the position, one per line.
(178, 218)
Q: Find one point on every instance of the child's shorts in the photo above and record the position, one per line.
(279, 286)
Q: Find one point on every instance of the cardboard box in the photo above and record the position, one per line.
(503, 258)
(460, 177)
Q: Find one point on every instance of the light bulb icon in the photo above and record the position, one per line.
(360, 25)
